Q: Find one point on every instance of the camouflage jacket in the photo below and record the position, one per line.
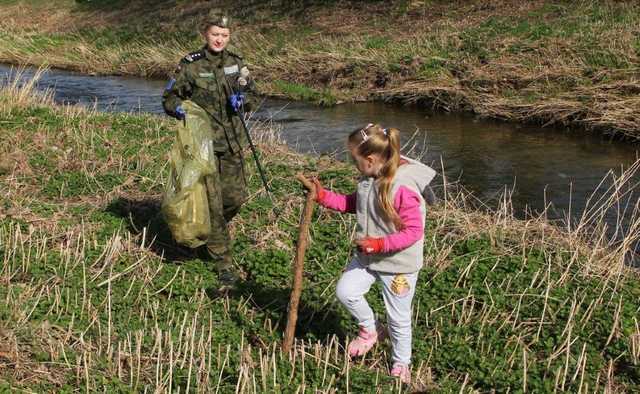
(209, 79)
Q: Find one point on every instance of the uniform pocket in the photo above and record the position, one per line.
(206, 83)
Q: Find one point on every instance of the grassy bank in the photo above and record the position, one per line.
(95, 296)
(566, 63)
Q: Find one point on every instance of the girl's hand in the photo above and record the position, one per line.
(370, 245)
(319, 190)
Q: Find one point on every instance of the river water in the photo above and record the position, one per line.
(539, 166)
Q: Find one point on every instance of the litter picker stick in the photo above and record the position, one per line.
(298, 267)
(240, 112)
(255, 155)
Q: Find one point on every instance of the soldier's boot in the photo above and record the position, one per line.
(228, 275)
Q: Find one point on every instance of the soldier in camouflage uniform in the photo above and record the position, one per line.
(209, 77)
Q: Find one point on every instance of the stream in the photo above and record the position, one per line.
(538, 166)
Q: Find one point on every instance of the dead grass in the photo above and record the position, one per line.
(524, 62)
(21, 92)
(65, 287)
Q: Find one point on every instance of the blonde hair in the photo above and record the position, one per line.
(376, 140)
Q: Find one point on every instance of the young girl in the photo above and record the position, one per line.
(390, 207)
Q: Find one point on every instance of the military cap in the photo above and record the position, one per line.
(217, 19)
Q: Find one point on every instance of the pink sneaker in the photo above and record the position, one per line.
(365, 340)
(401, 371)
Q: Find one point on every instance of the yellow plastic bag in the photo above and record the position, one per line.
(185, 206)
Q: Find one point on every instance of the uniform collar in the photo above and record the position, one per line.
(213, 56)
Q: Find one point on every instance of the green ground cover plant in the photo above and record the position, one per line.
(97, 297)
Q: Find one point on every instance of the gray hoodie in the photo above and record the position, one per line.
(370, 220)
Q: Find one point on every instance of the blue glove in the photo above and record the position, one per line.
(236, 101)
(180, 114)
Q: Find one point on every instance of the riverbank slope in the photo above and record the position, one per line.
(567, 63)
(96, 296)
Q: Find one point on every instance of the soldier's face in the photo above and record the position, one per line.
(217, 38)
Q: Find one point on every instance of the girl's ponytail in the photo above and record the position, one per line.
(387, 173)
(373, 139)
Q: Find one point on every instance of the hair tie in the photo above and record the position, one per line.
(363, 133)
(384, 131)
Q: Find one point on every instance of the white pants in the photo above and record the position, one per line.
(397, 291)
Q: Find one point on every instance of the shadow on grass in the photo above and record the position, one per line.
(145, 213)
(315, 321)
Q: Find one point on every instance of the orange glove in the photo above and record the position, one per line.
(370, 245)
(320, 192)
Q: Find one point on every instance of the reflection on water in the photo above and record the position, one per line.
(486, 157)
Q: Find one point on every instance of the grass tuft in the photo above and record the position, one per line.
(96, 295)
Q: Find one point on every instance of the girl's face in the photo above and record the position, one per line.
(369, 166)
(217, 38)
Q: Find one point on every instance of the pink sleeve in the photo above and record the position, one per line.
(339, 202)
(407, 204)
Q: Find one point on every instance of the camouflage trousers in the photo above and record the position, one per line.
(226, 192)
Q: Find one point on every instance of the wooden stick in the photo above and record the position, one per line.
(298, 267)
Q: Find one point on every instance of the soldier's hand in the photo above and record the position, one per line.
(236, 101)
(180, 113)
